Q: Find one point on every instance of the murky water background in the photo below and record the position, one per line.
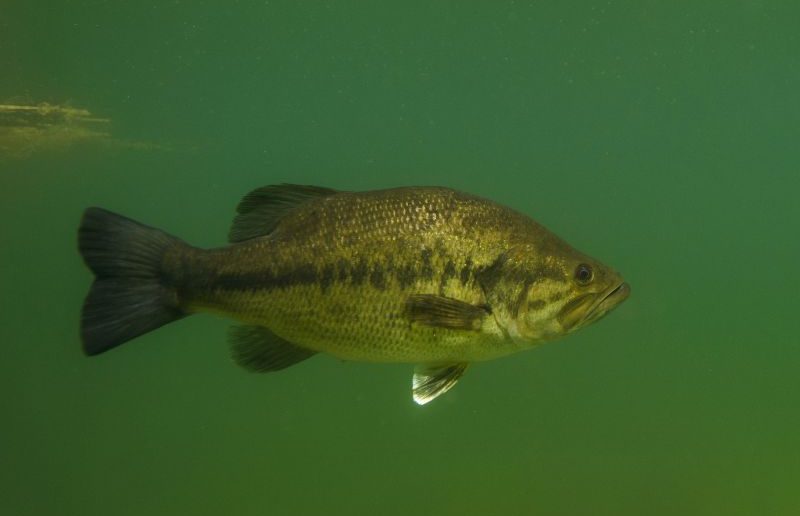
(660, 137)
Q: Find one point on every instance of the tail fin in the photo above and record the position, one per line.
(130, 295)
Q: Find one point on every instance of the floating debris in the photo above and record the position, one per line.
(29, 129)
(44, 115)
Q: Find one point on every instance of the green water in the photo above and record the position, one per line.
(659, 137)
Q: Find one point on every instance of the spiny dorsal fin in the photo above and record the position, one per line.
(260, 211)
(259, 350)
(445, 312)
(430, 382)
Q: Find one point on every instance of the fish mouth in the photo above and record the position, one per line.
(606, 302)
(590, 307)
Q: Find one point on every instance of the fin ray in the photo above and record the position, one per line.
(257, 349)
(129, 296)
(445, 312)
(261, 210)
(431, 381)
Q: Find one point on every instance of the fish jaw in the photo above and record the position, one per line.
(604, 303)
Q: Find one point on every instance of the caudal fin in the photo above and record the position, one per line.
(130, 295)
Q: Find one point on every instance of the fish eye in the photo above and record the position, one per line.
(583, 274)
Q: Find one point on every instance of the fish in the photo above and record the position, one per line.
(429, 276)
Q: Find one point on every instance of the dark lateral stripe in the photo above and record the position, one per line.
(265, 280)
(378, 276)
(406, 275)
(359, 273)
(466, 271)
(449, 272)
(427, 267)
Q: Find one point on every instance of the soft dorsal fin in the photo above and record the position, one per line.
(260, 211)
(431, 381)
(259, 350)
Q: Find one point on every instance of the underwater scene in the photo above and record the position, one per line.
(446, 258)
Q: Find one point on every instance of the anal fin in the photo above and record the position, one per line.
(257, 349)
(431, 381)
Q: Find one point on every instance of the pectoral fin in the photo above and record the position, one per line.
(430, 382)
(445, 312)
(259, 350)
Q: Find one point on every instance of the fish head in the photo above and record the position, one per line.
(542, 293)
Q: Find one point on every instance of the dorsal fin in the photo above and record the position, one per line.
(260, 211)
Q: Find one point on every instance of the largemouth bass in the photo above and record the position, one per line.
(422, 275)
